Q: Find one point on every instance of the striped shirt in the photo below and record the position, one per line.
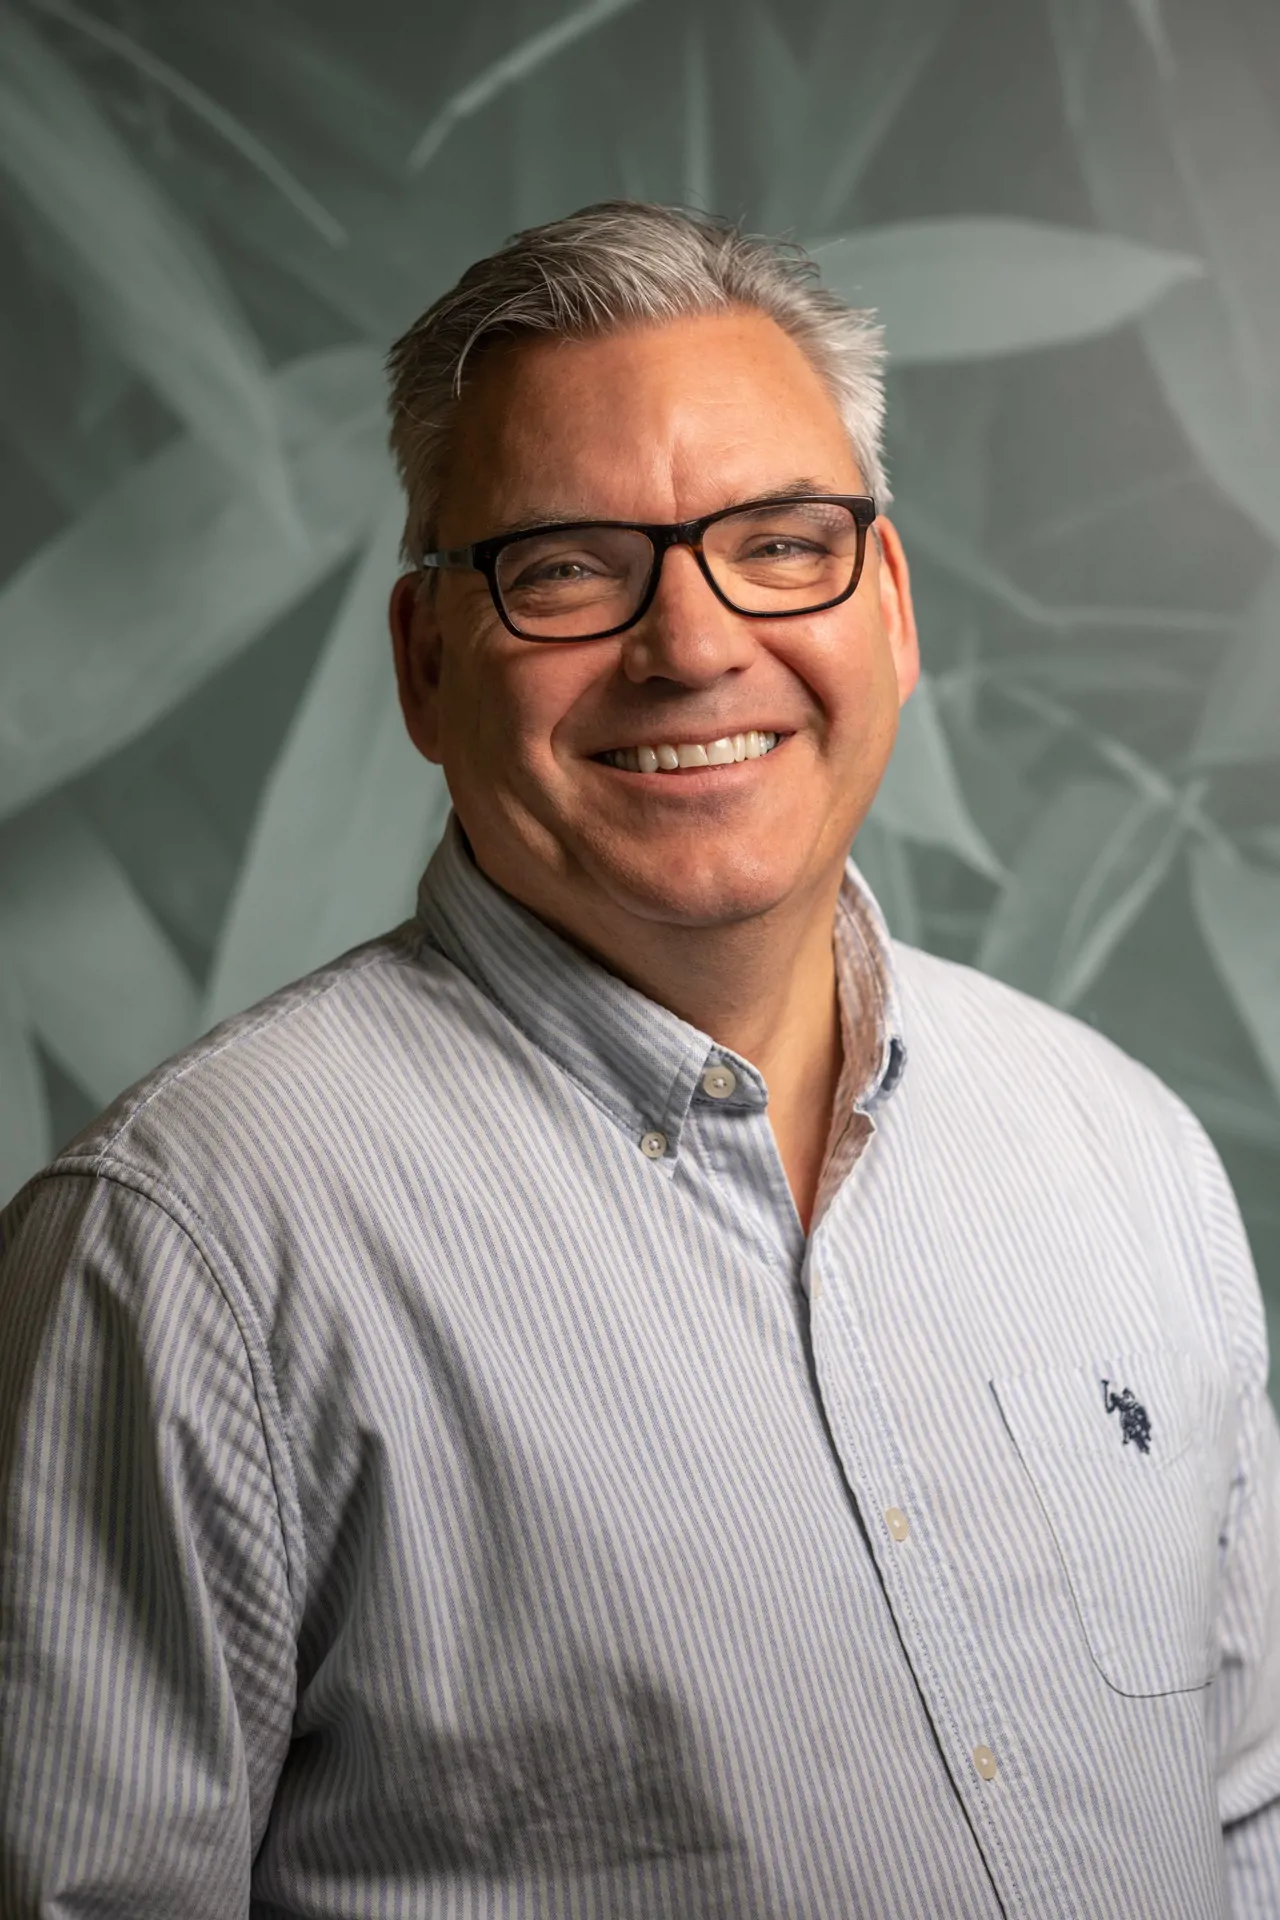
(441, 1476)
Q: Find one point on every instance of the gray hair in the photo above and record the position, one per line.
(620, 263)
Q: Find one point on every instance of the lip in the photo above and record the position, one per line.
(695, 780)
(726, 733)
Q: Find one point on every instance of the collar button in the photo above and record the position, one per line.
(719, 1081)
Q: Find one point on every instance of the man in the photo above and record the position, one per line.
(632, 1395)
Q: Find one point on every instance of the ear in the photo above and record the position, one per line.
(417, 645)
(896, 608)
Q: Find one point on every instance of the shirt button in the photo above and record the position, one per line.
(899, 1526)
(653, 1145)
(719, 1082)
(985, 1761)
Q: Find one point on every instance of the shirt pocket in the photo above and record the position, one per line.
(1118, 1450)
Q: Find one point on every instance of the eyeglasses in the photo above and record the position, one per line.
(588, 579)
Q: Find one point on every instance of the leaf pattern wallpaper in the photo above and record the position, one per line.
(217, 216)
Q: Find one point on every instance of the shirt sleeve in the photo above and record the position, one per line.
(1244, 1702)
(146, 1625)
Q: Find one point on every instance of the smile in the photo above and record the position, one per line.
(665, 757)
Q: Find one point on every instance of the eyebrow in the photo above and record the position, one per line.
(551, 517)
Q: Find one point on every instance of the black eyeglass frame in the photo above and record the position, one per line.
(482, 555)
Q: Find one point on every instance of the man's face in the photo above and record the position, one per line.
(660, 423)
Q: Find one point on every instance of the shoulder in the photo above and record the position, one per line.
(965, 1026)
(1048, 1096)
(1046, 1090)
(268, 1093)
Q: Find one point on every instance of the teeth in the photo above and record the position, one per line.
(666, 758)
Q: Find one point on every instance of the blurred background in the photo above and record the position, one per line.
(215, 216)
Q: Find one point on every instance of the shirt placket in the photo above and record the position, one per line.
(978, 1742)
(729, 1138)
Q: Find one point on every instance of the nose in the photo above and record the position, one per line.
(687, 633)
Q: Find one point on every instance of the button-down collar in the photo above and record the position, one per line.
(638, 1060)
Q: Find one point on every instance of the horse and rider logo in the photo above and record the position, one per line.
(1134, 1423)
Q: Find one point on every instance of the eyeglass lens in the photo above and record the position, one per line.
(788, 557)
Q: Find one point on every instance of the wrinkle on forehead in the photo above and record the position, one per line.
(558, 516)
(662, 422)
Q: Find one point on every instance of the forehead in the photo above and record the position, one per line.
(661, 421)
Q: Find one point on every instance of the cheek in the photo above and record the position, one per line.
(470, 702)
(546, 690)
(855, 681)
(513, 701)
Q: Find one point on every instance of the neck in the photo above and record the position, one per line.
(781, 1011)
(764, 988)
(765, 992)
(776, 1003)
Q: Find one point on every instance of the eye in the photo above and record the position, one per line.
(554, 572)
(781, 546)
(780, 550)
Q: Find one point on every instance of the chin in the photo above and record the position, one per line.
(699, 892)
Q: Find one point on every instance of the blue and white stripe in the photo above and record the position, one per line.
(420, 1502)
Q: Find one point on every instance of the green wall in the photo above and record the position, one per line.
(216, 216)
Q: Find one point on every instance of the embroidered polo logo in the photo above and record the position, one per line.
(1134, 1424)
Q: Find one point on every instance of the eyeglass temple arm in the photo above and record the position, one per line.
(450, 557)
